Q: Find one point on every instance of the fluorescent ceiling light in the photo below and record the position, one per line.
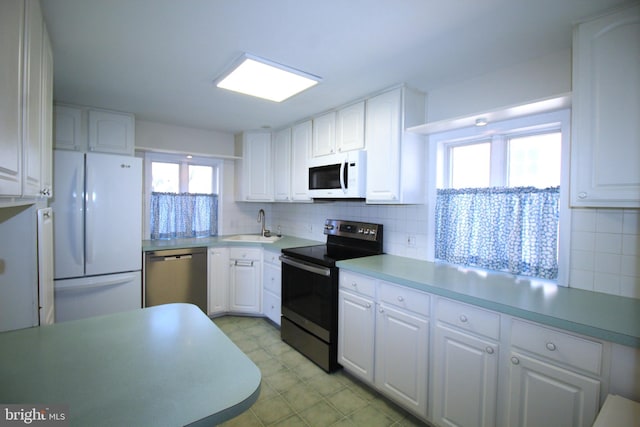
(265, 79)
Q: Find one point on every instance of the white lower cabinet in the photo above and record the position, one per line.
(465, 379)
(383, 338)
(401, 357)
(542, 394)
(356, 329)
(483, 368)
(553, 378)
(245, 286)
(218, 280)
(271, 284)
(465, 368)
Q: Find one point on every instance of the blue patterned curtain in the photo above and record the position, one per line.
(183, 215)
(508, 229)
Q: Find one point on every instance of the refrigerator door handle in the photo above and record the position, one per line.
(97, 284)
(89, 220)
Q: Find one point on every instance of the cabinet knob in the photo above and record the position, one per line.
(367, 305)
(400, 298)
(463, 318)
(551, 346)
(489, 350)
(582, 195)
(354, 284)
(381, 310)
(515, 360)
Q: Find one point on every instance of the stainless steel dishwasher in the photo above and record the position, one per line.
(176, 275)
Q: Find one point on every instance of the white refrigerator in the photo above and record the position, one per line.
(97, 203)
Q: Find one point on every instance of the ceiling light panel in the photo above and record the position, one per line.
(265, 79)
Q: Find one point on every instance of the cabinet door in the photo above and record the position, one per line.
(300, 153)
(282, 165)
(32, 146)
(541, 394)
(218, 280)
(68, 128)
(256, 169)
(324, 134)
(356, 326)
(46, 155)
(245, 290)
(272, 307)
(606, 132)
(465, 379)
(11, 45)
(383, 146)
(350, 128)
(111, 132)
(402, 358)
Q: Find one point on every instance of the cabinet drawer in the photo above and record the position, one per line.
(357, 283)
(469, 318)
(245, 253)
(558, 346)
(272, 257)
(403, 297)
(272, 278)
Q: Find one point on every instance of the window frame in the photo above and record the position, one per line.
(184, 161)
(500, 132)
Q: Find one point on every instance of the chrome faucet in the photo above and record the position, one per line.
(261, 218)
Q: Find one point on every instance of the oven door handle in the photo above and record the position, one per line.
(306, 266)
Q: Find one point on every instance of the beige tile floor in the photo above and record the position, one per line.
(295, 392)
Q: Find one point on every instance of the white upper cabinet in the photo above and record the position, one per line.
(301, 135)
(282, 165)
(68, 128)
(85, 129)
(339, 131)
(350, 128)
(111, 132)
(25, 95)
(324, 134)
(606, 105)
(11, 48)
(395, 158)
(254, 173)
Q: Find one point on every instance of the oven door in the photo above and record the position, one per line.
(310, 296)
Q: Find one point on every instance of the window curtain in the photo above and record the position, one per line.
(183, 215)
(508, 229)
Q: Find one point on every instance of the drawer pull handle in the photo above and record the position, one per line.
(515, 360)
(463, 318)
(400, 298)
(551, 346)
(489, 350)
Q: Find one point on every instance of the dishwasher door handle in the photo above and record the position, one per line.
(176, 257)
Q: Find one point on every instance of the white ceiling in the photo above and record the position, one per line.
(158, 58)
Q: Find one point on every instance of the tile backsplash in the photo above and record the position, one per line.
(605, 243)
(605, 251)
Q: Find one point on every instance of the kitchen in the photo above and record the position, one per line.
(520, 80)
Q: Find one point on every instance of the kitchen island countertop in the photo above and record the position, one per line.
(167, 365)
(598, 315)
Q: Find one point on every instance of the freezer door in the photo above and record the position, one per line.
(113, 241)
(68, 208)
(95, 296)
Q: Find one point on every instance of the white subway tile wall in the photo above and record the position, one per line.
(605, 243)
(605, 251)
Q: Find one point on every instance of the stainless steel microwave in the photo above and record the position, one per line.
(338, 176)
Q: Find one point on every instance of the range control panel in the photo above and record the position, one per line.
(353, 229)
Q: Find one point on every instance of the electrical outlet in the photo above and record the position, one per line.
(411, 241)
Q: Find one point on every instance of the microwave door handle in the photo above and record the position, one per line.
(343, 169)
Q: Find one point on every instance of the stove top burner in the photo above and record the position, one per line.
(345, 240)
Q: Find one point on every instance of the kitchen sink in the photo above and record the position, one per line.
(251, 238)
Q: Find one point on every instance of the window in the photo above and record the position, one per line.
(183, 199)
(498, 196)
